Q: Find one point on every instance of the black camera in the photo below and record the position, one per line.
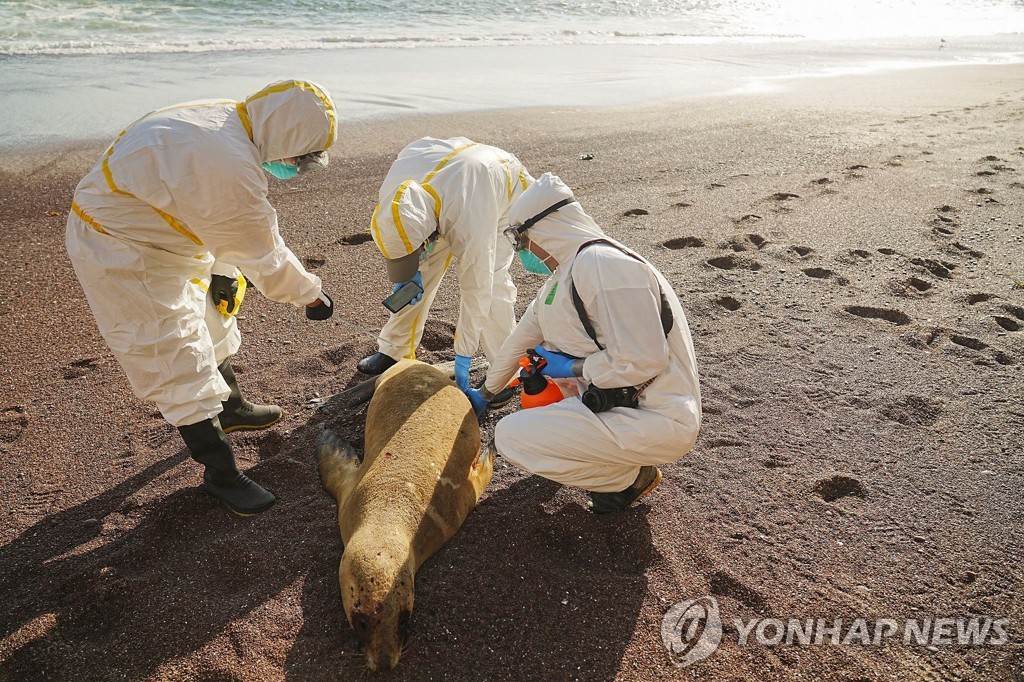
(603, 399)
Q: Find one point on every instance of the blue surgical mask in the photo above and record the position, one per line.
(532, 263)
(280, 170)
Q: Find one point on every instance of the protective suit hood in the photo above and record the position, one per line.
(403, 224)
(291, 118)
(561, 233)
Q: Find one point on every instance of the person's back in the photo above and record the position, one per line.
(156, 174)
(454, 172)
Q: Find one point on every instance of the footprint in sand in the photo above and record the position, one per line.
(914, 410)
(824, 273)
(355, 239)
(13, 422)
(79, 368)
(990, 157)
(940, 269)
(943, 225)
(886, 251)
(968, 342)
(913, 287)
(822, 181)
(962, 250)
(974, 299)
(313, 263)
(851, 171)
(837, 487)
(1007, 323)
(978, 345)
(985, 173)
(748, 218)
(714, 185)
(895, 161)
(730, 303)
(895, 317)
(783, 196)
(747, 242)
(801, 251)
(681, 204)
(683, 243)
(1016, 311)
(733, 263)
(982, 191)
(634, 212)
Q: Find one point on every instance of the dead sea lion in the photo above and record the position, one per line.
(422, 473)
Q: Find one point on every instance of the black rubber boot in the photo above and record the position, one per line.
(610, 503)
(502, 397)
(210, 447)
(375, 364)
(238, 413)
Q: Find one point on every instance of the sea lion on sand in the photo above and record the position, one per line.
(422, 473)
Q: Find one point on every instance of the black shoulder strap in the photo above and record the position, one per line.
(667, 319)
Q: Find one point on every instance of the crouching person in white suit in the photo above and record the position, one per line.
(624, 339)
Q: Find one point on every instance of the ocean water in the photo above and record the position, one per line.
(74, 27)
(82, 69)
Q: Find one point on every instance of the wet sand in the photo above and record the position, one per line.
(850, 253)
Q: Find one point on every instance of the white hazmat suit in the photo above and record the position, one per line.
(461, 190)
(565, 441)
(178, 196)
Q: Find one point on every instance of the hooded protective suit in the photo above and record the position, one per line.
(178, 189)
(565, 441)
(461, 190)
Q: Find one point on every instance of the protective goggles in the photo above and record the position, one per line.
(311, 161)
(516, 234)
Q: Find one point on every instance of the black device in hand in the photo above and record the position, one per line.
(403, 296)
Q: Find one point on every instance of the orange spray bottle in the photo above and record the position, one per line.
(538, 390)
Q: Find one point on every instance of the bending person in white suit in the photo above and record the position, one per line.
(445, 199)
(157, 234)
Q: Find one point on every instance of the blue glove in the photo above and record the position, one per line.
(462, 372)
(559, 366)
(478, 402)
(418, 278)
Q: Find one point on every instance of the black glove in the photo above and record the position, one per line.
(224, 289)
(322, 311)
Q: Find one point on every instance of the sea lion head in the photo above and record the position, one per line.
(377, 593)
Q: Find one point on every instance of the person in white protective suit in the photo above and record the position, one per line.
(635, 368)
(158, 232)
(445, 199)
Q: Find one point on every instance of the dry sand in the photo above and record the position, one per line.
(847, 252)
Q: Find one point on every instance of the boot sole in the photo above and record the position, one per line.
(643, 493)
(239, 512)
(650, 487)
(250, 427)
(247, 514)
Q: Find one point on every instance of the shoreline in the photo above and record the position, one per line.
(88, 97)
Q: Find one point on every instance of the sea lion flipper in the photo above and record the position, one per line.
(338, 463)
(486, 455)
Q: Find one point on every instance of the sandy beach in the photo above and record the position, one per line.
(850, 253)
